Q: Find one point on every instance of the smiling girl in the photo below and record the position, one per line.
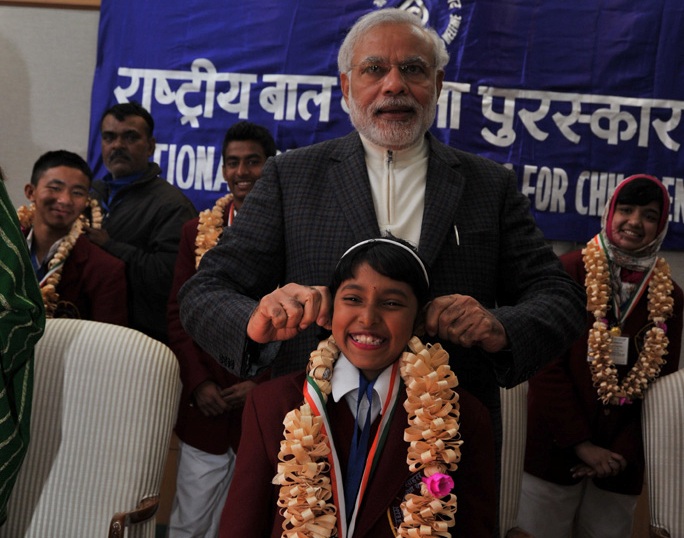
(375, 438)
(584, 460)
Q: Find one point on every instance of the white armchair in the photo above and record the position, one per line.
(514, 420)
(104, 404)
(663, 427)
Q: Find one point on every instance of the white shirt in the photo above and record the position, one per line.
(345, 383)
(48, 257)
(397, 182)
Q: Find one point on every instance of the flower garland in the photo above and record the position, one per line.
(210, 227)
(434, 448)
(650, 361)
(48, 287)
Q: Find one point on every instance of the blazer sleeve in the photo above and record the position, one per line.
(540, 306)
(246, 264)
(191, 359)
(474, 480)
(107, 286)
(251, 503)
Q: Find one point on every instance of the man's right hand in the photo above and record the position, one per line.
(287, 311)
(99, 236)
(209, 399)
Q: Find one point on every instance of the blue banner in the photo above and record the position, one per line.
(574, 96)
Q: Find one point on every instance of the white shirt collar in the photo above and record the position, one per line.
(345, 382)
(51, 252)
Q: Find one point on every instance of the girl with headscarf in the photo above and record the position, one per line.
(584, 460)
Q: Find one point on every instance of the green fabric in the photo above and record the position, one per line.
(22, 321)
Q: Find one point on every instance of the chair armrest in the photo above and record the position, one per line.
(517, 532)
(658, 532)
(145, 510)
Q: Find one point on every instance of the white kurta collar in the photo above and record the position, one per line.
(397, 182)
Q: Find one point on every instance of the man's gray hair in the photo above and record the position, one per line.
(389, 16)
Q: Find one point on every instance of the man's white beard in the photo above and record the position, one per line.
(392, 135)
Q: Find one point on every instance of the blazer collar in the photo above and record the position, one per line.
(349, 177)
(443, 192)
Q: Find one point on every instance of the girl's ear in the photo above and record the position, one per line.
(419, 324)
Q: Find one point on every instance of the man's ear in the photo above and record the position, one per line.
(153, 146)
(29, 190)
(419, 324)
(344, 85)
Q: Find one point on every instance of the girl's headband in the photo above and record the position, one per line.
(396, 244)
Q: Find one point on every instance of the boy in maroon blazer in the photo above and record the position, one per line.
(78, 279)
(210, 408)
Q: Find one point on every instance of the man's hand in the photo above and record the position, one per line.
(598, 461)
(287, 311)
(235, 395)
(98, 236)
(465, 322)
(209, 399)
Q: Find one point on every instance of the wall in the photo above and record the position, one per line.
(47, 60)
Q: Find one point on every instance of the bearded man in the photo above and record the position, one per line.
(502, 306)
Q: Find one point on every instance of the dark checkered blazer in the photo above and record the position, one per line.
(313, 203)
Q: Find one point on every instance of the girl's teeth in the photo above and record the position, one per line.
(365, 339)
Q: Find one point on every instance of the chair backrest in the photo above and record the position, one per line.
(663, 427)
(514, 422)
(105, 399)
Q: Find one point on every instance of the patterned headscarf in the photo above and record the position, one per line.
(634, 260)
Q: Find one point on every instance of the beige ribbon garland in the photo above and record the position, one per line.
(210, 227)
(650, 361)
(434, 447)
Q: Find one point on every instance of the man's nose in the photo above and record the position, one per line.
(65, 198)
(242, 169)
(393, 82)
(117, 142)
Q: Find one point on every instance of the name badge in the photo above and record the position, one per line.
(619, 349)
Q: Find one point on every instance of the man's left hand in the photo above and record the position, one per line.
(465, 322)
(236, 395)
(97, 235)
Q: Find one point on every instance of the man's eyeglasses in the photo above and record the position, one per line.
(410, 71)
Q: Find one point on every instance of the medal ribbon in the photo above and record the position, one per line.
(622, 314)
(314, 398)
(43, 281)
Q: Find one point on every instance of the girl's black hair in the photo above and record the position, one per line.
(641, 192)
(392, 261)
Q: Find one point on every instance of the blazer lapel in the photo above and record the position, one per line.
(443, 191)
(349, 178)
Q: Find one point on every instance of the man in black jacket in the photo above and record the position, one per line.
(144, 214)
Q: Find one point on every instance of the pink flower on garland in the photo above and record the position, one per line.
(439, 484)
